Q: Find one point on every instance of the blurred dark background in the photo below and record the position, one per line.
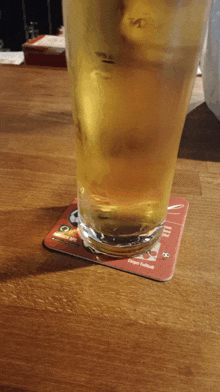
(17, 18)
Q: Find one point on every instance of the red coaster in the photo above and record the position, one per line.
(158, 264)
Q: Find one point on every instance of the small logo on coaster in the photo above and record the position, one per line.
(73, 218)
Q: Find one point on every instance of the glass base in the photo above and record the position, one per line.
(120, 246)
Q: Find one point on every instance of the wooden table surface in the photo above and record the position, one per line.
(70, 325)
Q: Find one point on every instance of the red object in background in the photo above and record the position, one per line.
(51, 54)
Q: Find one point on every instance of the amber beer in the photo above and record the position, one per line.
(132, 65)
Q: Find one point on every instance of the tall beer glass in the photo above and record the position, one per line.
(132, 65)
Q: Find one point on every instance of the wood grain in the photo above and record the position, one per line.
(71, 325)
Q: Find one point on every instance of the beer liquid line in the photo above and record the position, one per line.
(132, 66)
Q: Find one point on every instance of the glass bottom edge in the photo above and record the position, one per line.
(119, 247)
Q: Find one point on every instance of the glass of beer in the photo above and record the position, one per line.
(132, 66)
